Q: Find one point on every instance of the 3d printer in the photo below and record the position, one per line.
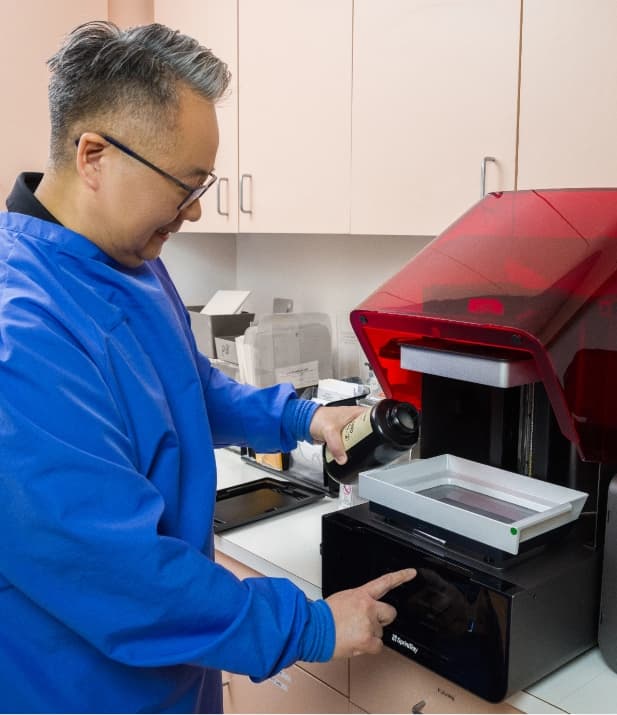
(503, 332)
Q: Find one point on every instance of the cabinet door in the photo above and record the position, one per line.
(295, 115)
(568, 94)
(214, 24)
(290, 691)
(334, 673)
(32, 32)
(434, 91)
(391, 683)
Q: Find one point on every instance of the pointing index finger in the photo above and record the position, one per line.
(380, 586)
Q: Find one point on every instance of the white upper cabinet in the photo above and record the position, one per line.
(434, 92)
(295, 115)
(366, 116)
(285, 130)
(568, 102)
(214, 24)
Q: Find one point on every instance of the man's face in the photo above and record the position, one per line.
(141, 205)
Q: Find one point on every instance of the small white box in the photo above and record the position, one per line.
(226, 348)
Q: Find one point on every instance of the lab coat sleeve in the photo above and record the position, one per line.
(79, 530)
(246, 415)
(239, 414)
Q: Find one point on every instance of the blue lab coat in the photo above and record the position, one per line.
(109, 598)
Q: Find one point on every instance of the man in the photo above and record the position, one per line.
(111, 601)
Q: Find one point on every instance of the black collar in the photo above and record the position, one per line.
(23, 201)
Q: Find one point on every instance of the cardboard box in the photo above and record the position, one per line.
(206, 328)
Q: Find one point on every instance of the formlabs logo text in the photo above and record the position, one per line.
(405, 644)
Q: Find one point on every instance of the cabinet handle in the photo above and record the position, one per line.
(242, 207)
(418, 707)
(485, 159)
(219, 210)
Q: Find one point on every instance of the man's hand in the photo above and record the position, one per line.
(327, 424)
(360, 616)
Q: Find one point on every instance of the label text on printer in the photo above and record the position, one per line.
(405, 644)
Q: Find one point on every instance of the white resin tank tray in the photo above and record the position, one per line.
(492, 506)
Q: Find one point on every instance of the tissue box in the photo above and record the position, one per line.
(288, 347)
(206, 328)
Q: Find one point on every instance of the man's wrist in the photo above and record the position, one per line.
(297, 418)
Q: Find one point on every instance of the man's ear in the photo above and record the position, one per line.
(90, 150)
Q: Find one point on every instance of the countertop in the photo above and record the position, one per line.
(287, 546)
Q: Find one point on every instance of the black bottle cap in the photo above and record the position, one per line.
(404, 417)
(405, 420)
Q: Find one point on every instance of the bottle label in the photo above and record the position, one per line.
(354, 432)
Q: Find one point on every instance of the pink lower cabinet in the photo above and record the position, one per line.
(293, 690)
(391, 683)
(303, 688)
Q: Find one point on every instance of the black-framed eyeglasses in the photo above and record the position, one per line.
(192, 192)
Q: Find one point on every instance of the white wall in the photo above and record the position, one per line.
(200, 264)
(329, 274)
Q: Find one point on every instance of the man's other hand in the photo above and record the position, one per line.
(360, 616)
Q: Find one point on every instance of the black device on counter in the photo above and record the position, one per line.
(503, 332)
(492, 631)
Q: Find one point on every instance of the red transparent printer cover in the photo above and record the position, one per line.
(521, 274)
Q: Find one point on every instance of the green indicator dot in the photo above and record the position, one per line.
(514, 531)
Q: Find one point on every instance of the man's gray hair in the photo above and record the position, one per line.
(103, 72)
